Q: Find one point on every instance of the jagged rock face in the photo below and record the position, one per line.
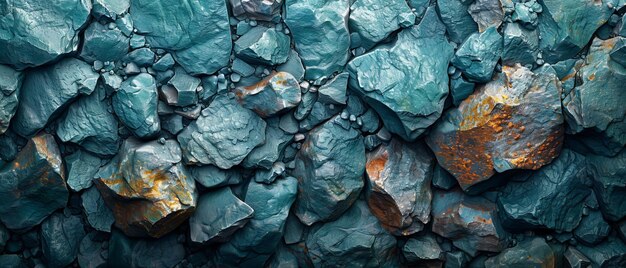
(274, 94)
(609, 184)
(10, 85)
(530, 253)
(512, 122)
(33, 185)
(37, 32)
(136, 105)
(266, 10)
(375, 20)
(263, 45)
(148, 189)
(399, 195)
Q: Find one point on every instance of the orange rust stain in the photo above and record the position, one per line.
(376, 165)
(592, 77)
(483, 220)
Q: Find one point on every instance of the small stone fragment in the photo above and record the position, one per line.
(99, 216)
(273, 95)
(90, 252)
(478, 55)
(60, 239)
(530, 253)
(267, 154)
(263, 45)
(219, 215)
(185, 86)
(223, 135)
(423, 247)
(520, 45)
(293, 66)
(110, 9)
(136, 105)
(10, 85)
(266, 10)
(211, 176)
(375, 20)
(460, 89)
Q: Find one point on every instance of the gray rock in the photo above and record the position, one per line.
(375, 20)
(136, 105)
(99, 216)
(263, 45)
(530, 253)
(60, 239)
(223, 135)
(10, 85)
(486, 13)
(273, 95)
(81, 168)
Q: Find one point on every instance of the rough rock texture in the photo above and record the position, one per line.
(611, 253)
(10, 85)
(37, 32)
(530, 253)
(399, 195)
(513, 122)
(329, 169)
(455, 16)
(407, 91)
(375, 20)
(33, 185)
(592, 229)
(320, 33)
(223, 135)
(478, 55)
(131, 252)
(60, 237)
(609, 184)
(274, 94)
(51, 89)
(263, 45)
(486, 13)
(135, 104)
(81, 168)
(99, 216)
(260, 10)
(422, 248)
(149, 191)
(104, 44)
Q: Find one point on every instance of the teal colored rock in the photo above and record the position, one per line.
(81, 167)
(263, 45)
(219, 215)
(164, 63)
(566, 27)
(12, 260)
(456, 18)
(356, 239)
(596, 103)
(618, 53)
(520, 45)
(553, 197)
(470, 222)
(456, 259)
(610, 253)
(609, 184)
(90, 252)
(442, 179)
(10, 85)
(306, 105)
(103, 44)
(406, 82)
(135, 104)
(320, 32)
(375, 20)
(293, 66)
(197, 31)
(211, 176)
(266, 10)
(110, 9)
(37, 32)
(186, 86)
(131, 252)
(422, 247)
(33, 185)
(223, 143)
(60, 239)
(265, 155)
(141, 57)
(329, 169)
(529, 253)
(575, 259)
(254, 244)
(283, 258)
(399, 177)
(512, 122)
(273, 95)
(460, 89)
(486, 13)
(4, 237)
(592, 229)
(89, 123)
(51, 89)
(137, 41)
(478, 55)
(334, 91)
(99, 216)
(319, 113)
(147, 187)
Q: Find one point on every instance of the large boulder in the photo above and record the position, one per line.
(406, 82)
(148, 188)
(512, 122)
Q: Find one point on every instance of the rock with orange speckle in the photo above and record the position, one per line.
(512, 122)
(33, 185)
(148, 188)
(553, 197)
(469, 221)
(399, 194)
(530, 253)
(273, 95)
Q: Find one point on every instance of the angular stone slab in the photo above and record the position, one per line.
(10, 85)
(131, 252)
(478, 55)
(272, 95)
(265, 10)
(135, 104)
(99, 216)
(375, 20)
(263, 45)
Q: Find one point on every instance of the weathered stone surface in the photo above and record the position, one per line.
(273, 95)
(266, 10)
(223, 135)
(219, 215)
(91, 252)
(37, 32)
(10, 85)
(597, 103)
(513, 122)
(618, 53)
(329, 169)
(406, 82)
(566, 27)
(456, 18)
(211, 176)
(60, 239)
(592, 229)
(99, 216)
(50, 90)
(610, 253)
(399, 195)
(185, 86)
(320, 33)
(355, 239)
(478, 55)
(486, 13)
(460, 89)
(422, 247)
(88, 123)
(81, 167)
(197, 31)
(575, 259)
(263, 45)
(33, 185)
(267, 154)
(469, 221)
(253, 245)
(103, 44)
(110, 9)
(520, 45)
(144, 253)
(529, 253)
(136, 105)
(149, 191)
(553, 197)
(375, 20)
(609, 184)
(334, 91)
